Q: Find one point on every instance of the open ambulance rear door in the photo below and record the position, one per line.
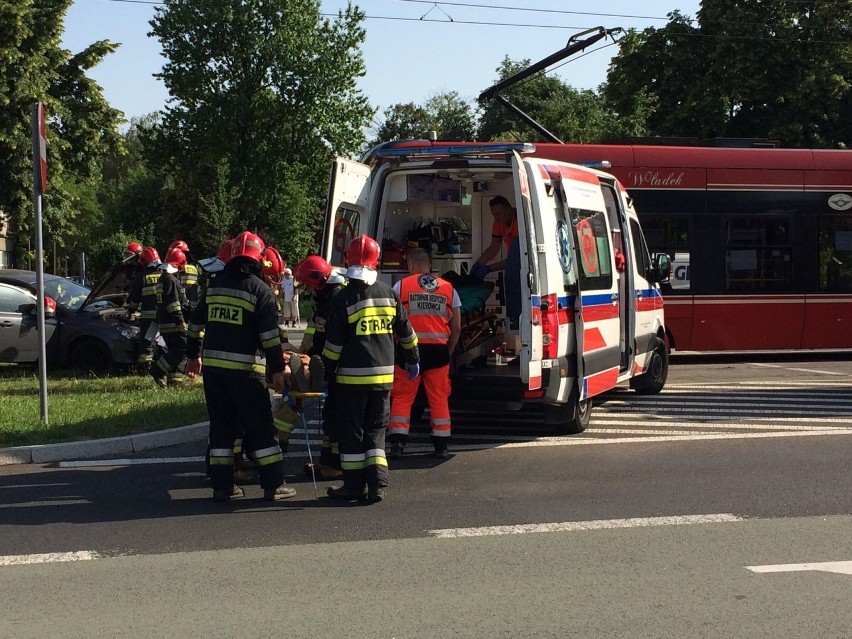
(346, 208)
(530, 321)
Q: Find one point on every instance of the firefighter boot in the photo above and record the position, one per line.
(346, 493)
(277, 494)
(375, 494)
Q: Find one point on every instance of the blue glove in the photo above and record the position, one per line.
(413, 371)
(480, 270)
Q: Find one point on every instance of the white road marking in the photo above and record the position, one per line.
(802, 370)
(48, 558)
(572, 526)
(839, 567)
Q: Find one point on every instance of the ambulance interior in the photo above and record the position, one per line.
(448, 214)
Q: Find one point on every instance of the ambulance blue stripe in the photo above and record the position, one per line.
(592, 300)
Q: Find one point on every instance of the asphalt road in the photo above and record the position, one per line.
(645, 526)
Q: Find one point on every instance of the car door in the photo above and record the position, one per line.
(19, 325)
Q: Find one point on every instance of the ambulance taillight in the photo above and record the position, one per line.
(549, 327)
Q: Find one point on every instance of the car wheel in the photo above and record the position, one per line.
(570, 418)
(654, 378)
(90, 356)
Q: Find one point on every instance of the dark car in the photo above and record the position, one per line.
(86, 329)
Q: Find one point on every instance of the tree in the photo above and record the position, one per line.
(81, 125)
(263, 97)
(447, 114)
(779, 70)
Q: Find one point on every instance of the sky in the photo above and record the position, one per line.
(413, 49)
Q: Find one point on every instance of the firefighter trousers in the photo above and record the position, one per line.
(168, 362)
(362, 420)
(436, 383)
(239, 407)
(145, 347)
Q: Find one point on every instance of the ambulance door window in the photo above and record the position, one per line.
(347, 226)
(593, 247)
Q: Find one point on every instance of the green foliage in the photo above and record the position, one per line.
(451, 117)
(81, 126)
(264, 98)
(752, 69)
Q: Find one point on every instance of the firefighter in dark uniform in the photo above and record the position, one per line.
(366, 321)
(323, 282)
(143, 298)
(188, 275)
(239, 325)
(170, 317)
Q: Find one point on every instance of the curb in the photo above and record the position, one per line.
(65, 451)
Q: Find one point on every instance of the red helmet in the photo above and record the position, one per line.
(132, 248)
(175, 257)
(225, 252)
(363, 251)
(313, 271)
(179, 244)
(149, 254)
(273, 265)
(247, 244)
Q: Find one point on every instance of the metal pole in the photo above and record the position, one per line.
(42, 345)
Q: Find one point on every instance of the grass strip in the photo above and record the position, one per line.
(83, 407)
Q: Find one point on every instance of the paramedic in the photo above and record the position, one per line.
(366, 316)
(434, 310)
(504, 230)
(239, 324)
(323, 281)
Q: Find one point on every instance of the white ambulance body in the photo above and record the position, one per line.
(590, 318)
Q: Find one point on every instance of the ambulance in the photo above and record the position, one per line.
(590, 313)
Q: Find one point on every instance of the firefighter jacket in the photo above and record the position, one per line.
(169, 301)
(238, 321)
(315, 331)
(143, 293)
(360, 332)
(189, 281)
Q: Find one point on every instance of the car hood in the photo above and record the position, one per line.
(115, 283)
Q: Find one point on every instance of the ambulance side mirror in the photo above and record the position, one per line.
(661, 269)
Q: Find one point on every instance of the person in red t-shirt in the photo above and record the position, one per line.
(505, 230)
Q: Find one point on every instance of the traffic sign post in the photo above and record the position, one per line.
(39, 187)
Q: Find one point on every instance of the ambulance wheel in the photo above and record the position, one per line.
(578, 415)
(654, 378)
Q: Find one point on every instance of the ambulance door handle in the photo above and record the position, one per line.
(639, 294)
(614, 299)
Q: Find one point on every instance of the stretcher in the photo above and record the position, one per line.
(479, 325)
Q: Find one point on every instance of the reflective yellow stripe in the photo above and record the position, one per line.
(367, 379)
(237, 366)
(270, 459)
(269, 343)
(372, 311)
(310, 330)
(331, 355)
(352, 465)
(283, 426)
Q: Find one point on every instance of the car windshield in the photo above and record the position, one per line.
(65, 292)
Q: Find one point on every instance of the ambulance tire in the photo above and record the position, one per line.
(575, 417)
(652, 380)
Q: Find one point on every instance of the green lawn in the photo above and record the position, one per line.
(84, 407)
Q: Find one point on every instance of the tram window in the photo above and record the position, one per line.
(835, 253)
(758, 255)
(669, 234)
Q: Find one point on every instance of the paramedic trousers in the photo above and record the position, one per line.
(436, 383)
(362, 420)
(330, 450)
(168, 363)
(239, 408)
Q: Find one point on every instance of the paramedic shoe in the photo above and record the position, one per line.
(375, 494)
(397, 450)
(440, 449)
(344, 493)
(226, 494)
(316, 377)
(277, 494)
(243, 477)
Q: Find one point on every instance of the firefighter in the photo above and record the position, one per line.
(434, 310)
(132, 249)
(188, 275)
(143, 298)
(235, 317)
(365, 317)
(323, 282)
(170, 317)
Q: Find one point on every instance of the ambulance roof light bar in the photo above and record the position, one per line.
(456, 149)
